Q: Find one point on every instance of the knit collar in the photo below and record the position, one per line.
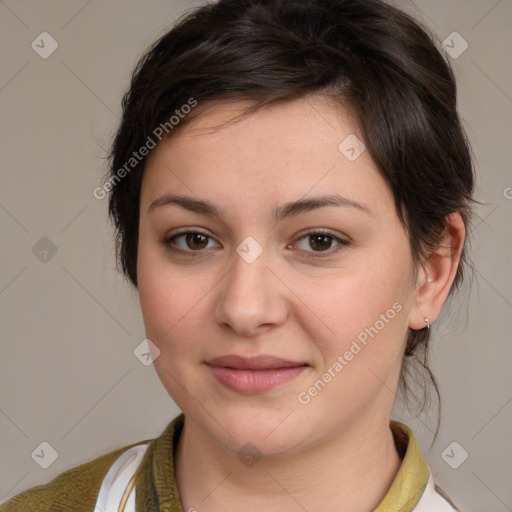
(412, 477)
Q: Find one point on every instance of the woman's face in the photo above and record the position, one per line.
(268, 239)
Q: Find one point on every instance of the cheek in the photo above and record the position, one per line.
(359, 362)
(171, 304)
(169, 299)
(365, 303)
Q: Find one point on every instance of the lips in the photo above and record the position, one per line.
(252, 375)
(263, 362)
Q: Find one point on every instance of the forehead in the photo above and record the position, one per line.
(276, 153)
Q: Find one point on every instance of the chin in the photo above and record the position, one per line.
(273, 432)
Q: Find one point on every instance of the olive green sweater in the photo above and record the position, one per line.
(76, 490)
(156, 491)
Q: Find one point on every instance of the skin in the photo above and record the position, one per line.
(337, 451)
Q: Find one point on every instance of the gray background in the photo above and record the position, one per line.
(69, 324)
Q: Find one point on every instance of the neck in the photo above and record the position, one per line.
(351, 471)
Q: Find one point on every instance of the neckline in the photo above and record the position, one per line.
(404, 493)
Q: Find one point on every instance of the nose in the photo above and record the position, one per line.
(251, 298)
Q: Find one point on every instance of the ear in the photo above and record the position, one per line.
(437, 273)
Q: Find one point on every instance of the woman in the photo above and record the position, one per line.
(291, 189)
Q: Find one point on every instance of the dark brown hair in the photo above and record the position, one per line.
(365, 55)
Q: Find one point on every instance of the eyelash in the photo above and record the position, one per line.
(315, 254)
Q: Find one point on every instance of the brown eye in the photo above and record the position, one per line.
(189, 242)
(196, 240)
(320, 242)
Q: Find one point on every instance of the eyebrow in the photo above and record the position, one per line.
(279, 213)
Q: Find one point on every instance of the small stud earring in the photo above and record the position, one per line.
(427, 324)
(429, 279)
